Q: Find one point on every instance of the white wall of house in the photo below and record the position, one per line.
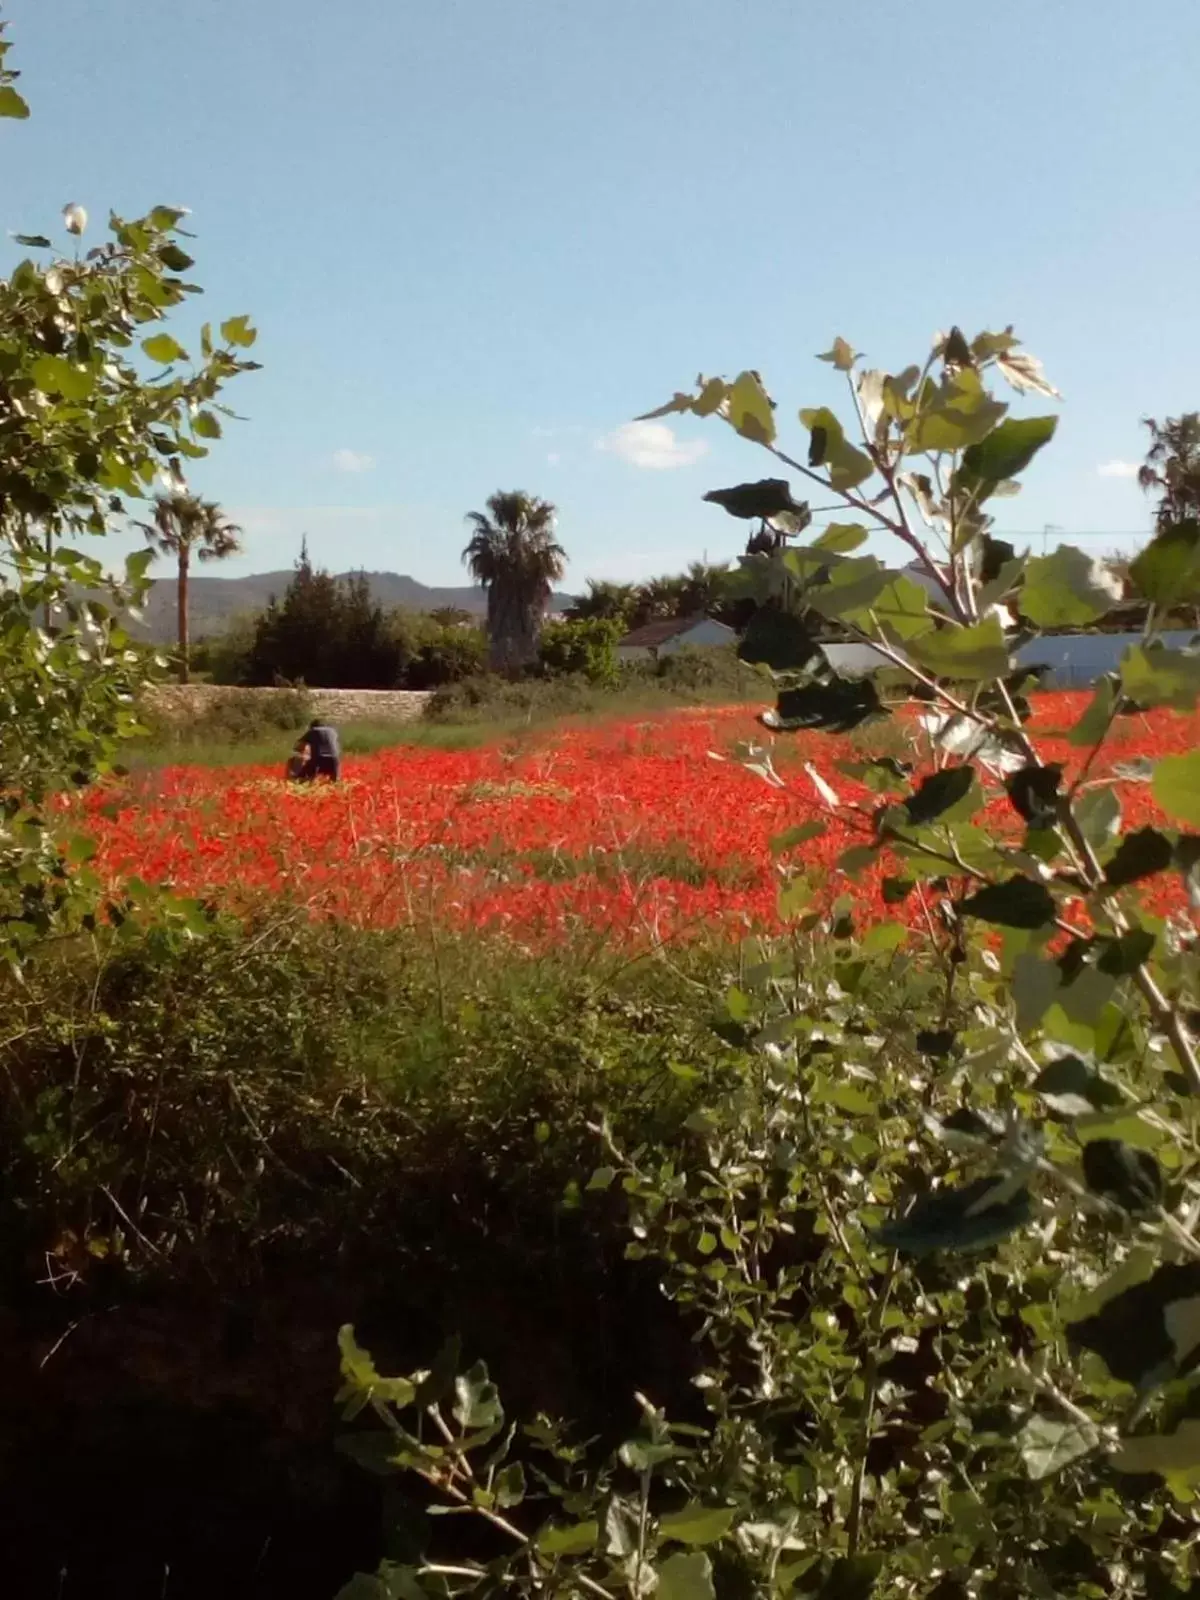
(706, 635)
(633, 652)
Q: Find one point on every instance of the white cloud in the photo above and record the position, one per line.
(1118, 469)
(553, 458)
(652, 445)
(352, 461)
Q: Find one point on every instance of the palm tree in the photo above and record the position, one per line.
(513, 554)
(659, 599)
(704, 587)
(1172, 468)
(604, 601)
(184, 524)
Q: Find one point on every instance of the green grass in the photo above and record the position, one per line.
(193, 748)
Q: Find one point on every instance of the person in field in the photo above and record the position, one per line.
(321, 750)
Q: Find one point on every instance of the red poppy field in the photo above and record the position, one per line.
(630, 830)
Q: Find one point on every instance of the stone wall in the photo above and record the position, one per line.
(184, 702)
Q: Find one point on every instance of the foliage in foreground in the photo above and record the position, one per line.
(943, 1276)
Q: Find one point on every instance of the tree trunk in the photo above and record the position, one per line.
(513, 628)
(181, 597)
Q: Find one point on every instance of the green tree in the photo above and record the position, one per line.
(1172, 468)
(185, 526)
(514, 555)
(604, 601)
(84, 432)
(705, 586)
(658, 600)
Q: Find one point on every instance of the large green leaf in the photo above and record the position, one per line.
(829, 448)
(952, 415)
(835, 707)
(960, 1218)
(685, 1577)
(1094, 722)
(938, 794)
(851, 1578)
(1174, 1456)
(900, 610)
(1141, 1333)
(56, 375)
(841, 537)
(1033, 791)
(1139, 855)
(766, 498)
(1167, 571)
(1006, 450)
(1048, 1444)
(1019, 903)
(163, 348)
(749, 409)
(11, 103)
(1155, 676)
(851, 586)
(1066, 589)
(1176, 786)
(239, 331)
(573, 1540)
(974, 653)
(697, 1524)
(1073, 1088)
(1119, 1171)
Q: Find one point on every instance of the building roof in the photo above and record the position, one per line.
(652, 634)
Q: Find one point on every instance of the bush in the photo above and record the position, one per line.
(584, 649)
(447, 655)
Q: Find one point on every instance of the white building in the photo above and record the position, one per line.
(658, 639)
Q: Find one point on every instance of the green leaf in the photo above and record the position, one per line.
(841, 355)
(175, 259)
(32, 241)
(801, 834)
(477, 1400)
(1174, 1456)
(1098, 813)
(896, 890)
(11, 103)
(883, 937)
(901, 610)
(959, 1218)
(851, 1578)
(1094, 722)
(1073, 1088)
(685, 1577)
(1048, 1444)
(777, 639)
(1176, 786)
(697, 1524)
(1119, 1171)
(761, 500)
(1148, 1329)
(1019, 903)
(828, 448)
(573, 1540)
(238, 331)
(1119, 956)
(56, 375)
(206, 425)
(1155, 676)
(749, 409)
(1033, 792)
(952, 415)
(1006, 450)
(163, 348)
(1066, 589)
(972, 653)
(841, 537)
(1139, 855)
(601, 1179)
(508, 1485)
(938, 793)
(1167, 571)
(835, 707)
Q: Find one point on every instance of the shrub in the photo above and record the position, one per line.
(584, 648)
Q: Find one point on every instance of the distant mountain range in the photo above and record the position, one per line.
(215, 602)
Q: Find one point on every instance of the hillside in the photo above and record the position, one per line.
(215, 602)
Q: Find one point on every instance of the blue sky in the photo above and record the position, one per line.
(478, 236)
